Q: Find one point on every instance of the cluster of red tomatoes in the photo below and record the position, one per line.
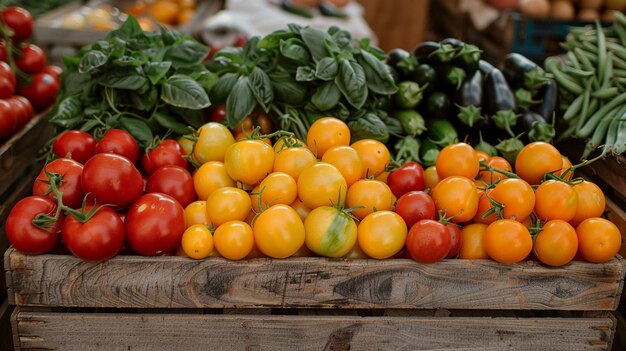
(27, 83)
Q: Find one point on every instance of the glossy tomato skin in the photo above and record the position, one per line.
(20, 21)
(409, 177)
(507, 241)
(458, 159)
(79, 144)
(174, 181)
(556, 244)
(7, 72)
(457, 197)
(7, 89)
(7, 119)
(428, 241)
(535, 160)
(23, 235)
(54, 71)
(32, 59)
(70, 172)
(100, 238)
(3, 51)
(415, 206)
(167, 153)
(456, 240)
(22, 110)
(120, 142)
(279, 231)
(329, 232)
(599, 240)
(155, 224)
(111, 179)
(41, 92)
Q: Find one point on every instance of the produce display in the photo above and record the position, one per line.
(27, 83)
(315, 145)
(565, 10)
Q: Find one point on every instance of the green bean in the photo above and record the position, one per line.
(563, 79)
(605, 93)
(621, 33)
(610, 137)
(584, 113)
(571, 58)
(608, 70)
(578, 72)
(597, 138)
(602, 55)
(574, 108)
(620, 19)
(584, 59)
(619, 73)
(618, 50)
(620, 139)
(593, 121)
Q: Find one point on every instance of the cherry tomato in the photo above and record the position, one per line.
(186, 142)
(99, 238)
(329, 232)
(347, 161)
(409, 177)
(431, 178)
(120, 142)
(535, 160)
(278, 231)
(68, 172)
(22, 110)
(111, 179)
(234, 240)
(321, 184)
(209, 177)
(285, 142)
(473, 238)
(565, 165)
(167, 153)
(155, 224)
(428, 241)
(7, 119)
(228, 204)
(496, 162)
(457, 198)
(591, 202)
(53, 70)
(302, 210)
(482, 156)
(41, 92)
(249, 161)
(325, 133)
(277, 188)
(32, 60)
(75, 144)
(415, 206)
(484, 205)
(374, 157)
(507, 241)
(456, 240)
(293, 160)
(458, 159)
(381, 234)
(195, 213)
(517, 196)
(174, 181)
(20, 21)
(217, 113)
(197, 242)
(371, 195)
(556, 244)
(3, 52)
(555, 200)
(23, 235)
(7, 89)
(213, 140)
(7, 72)
(599, 240)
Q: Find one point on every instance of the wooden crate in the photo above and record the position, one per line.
(153, 303)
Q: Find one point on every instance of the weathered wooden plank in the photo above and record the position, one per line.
(177, 282)
(40, 330)
(6, 339)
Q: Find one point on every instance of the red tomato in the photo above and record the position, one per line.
(54, 71)
(20, 21)
(69, 172)
(120, 142)
(155, 224)
(456, 240)
(22, 110)
(32, 59)
(7, 119)
(111, 179)
(23, 235)
(99, 238)
(79, 145)
(7, 89)
(217, 113)
(415, 206)
(409, 177)
(41, 92)
(428, 241)
(174, 181)
(3, 52)
(167, 153)
(7, 72)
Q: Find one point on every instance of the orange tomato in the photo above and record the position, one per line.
(381, 234)
(300, 208)
(482, 156)
(507, 241)
(517, 197)
(555, 200)
(374, 157)
(321, 184)
(556, 244)
(325, 133)
(278, 188)
(197, 242)
(591, 202)
(565, 165)
(371, 195)
(293, 160)
(347, 161)
(457, 197)
(458, 159)
(249, 161)
(195, 213)
(164, 11)
(472, 246)
(599, 240)
(228, 204)
(535, 160)
(496, 162)
(209, 177)
(234, 240)
(484, 205)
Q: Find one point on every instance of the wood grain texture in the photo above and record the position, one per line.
(20, 152)
(177, 282)
(85, 332)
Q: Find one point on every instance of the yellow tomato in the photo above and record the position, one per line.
(329, 232)
(374, 157)
(234, 240)
(195, 213)
(347, 161)
(278, 231)
(228, 204)
(293, 160)
(325, 133)
(382, 234)
(277, 188)
(371, 195)
(209, 177)
(249, 161)
(197, 241)
(321, 184)
(213, 140)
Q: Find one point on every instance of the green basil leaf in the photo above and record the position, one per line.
(168, 36)
(233, 54)
(305, 74)
(287, 90)
(205, 78)
(261, 86)
(379, 79)
(369, 126)
(352, 84)
(326, 68)
(91, 61)
(378, 53)
(314, 39)
(126, 61)
(156, 70)
(331, 45)
(294, 28)
(343, 39)
(182, 91)
(326, 96)
(293, 49)
(240, 102)
(129, 79)
(222, 88)
(191, 117)
(186, 52)
(67, 113)
(129, 29)
(272, 40)
(168, 121)
(138, 129)
(89, 125)
(74, 82)
(145, 101)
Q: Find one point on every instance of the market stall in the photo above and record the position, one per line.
(209, 182)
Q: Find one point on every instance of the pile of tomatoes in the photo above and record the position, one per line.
(27, 83)
(215, 194)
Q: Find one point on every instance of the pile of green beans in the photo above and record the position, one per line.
(592, 86)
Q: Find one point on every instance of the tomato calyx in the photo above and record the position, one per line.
(485, 167)
(563, 177)
(497, 208)
(443, 219)
(536, 225)
(44, 221)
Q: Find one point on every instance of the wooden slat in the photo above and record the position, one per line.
(617, 215)
(177, 282)
(6, 339)
(51, 331)
(19, 152)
